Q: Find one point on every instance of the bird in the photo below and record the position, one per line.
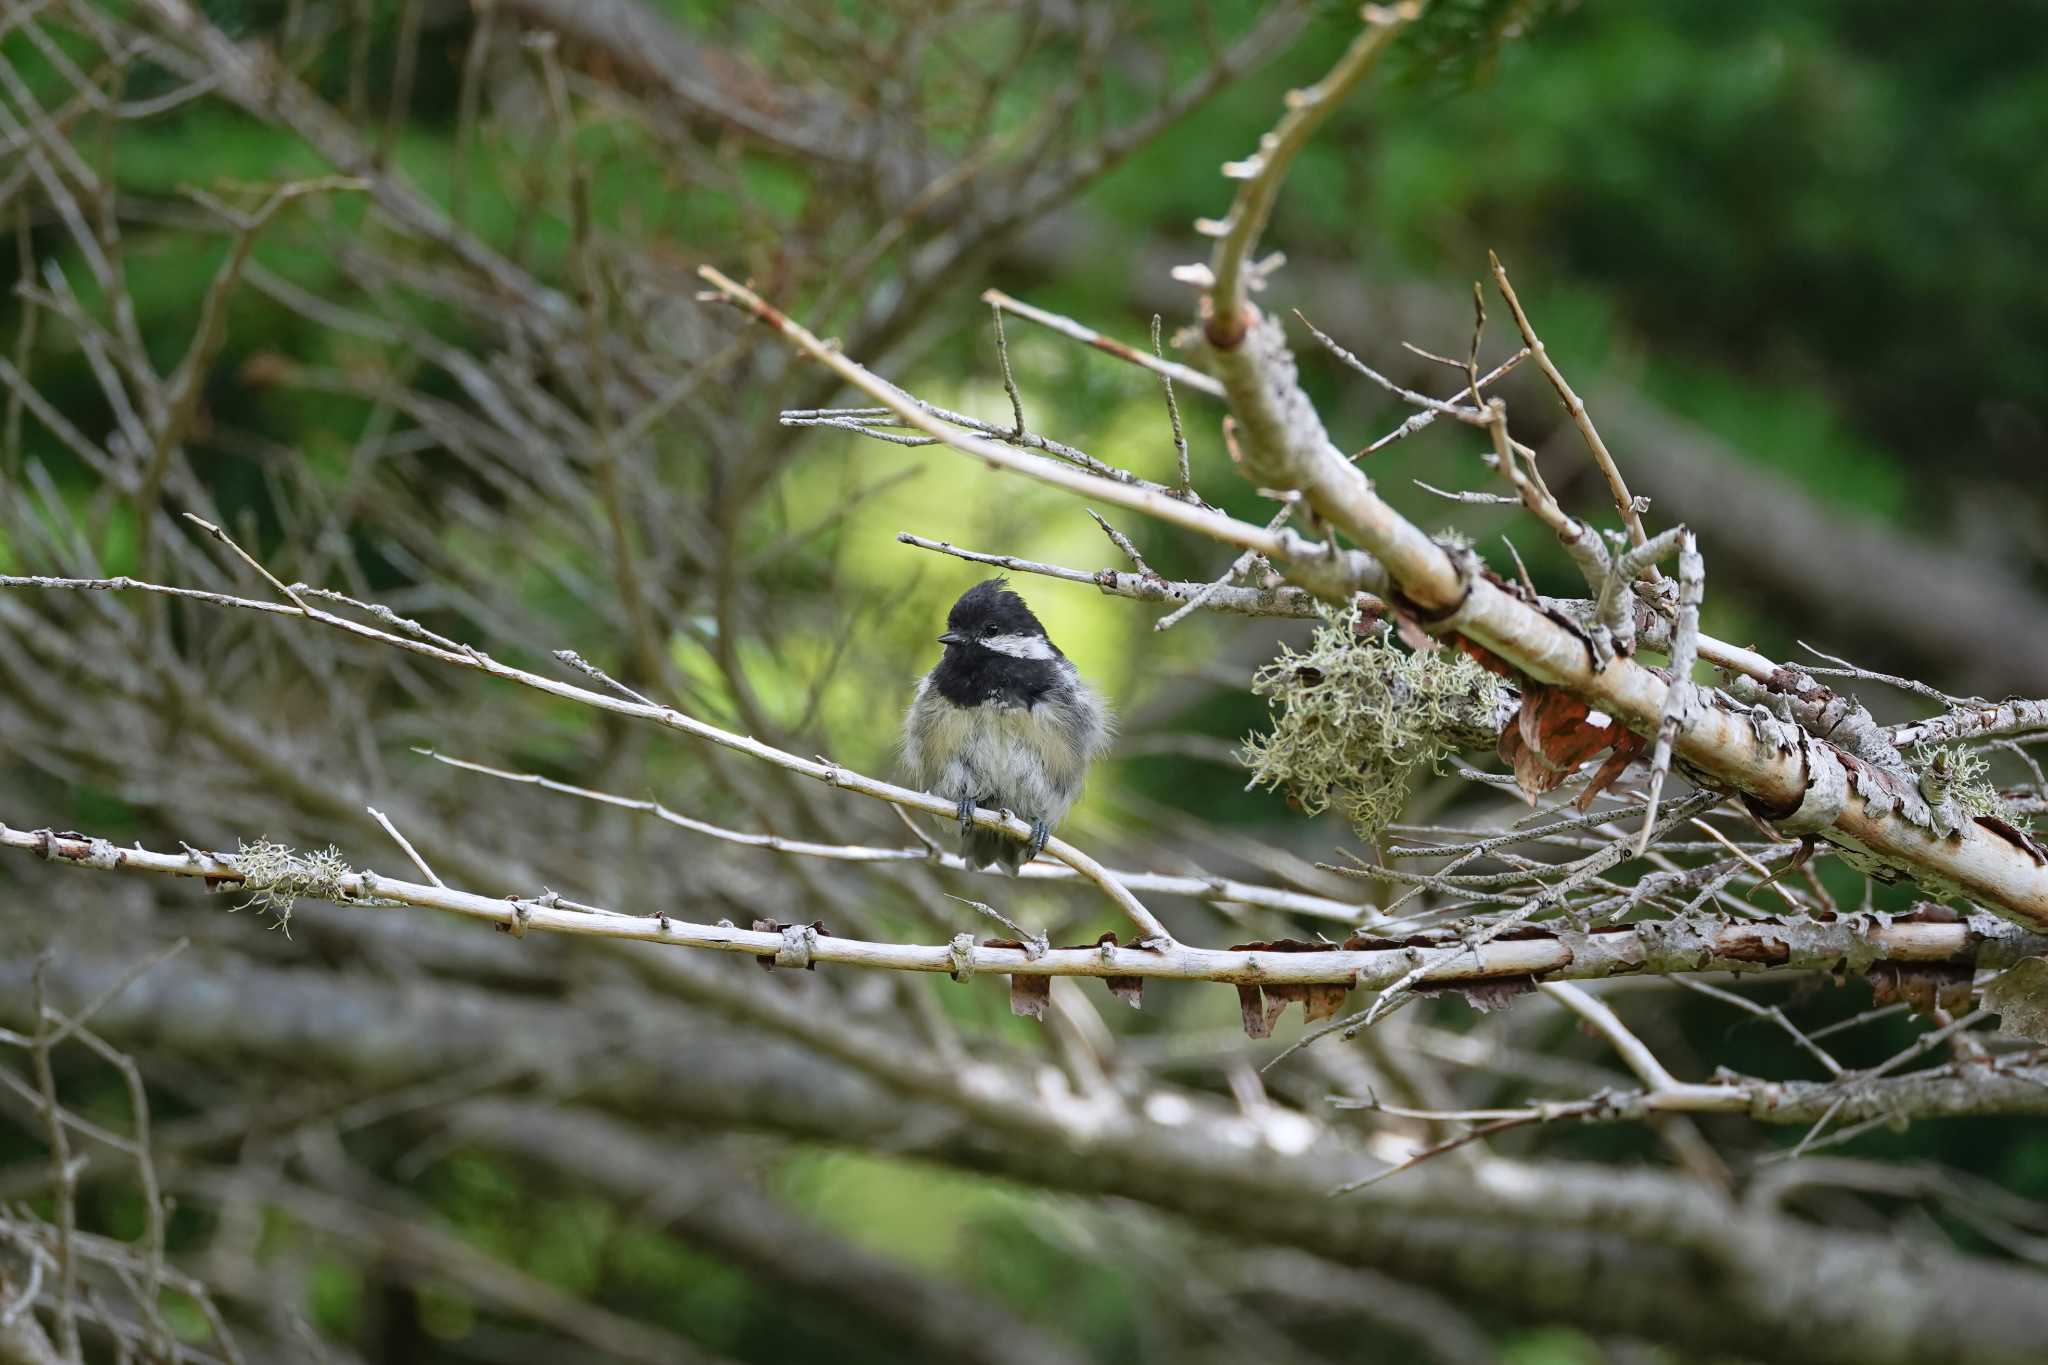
(1003, 721)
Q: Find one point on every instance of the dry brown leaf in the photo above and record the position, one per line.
(1553, 734)
(1262, 1007)
(1924, 986)
(1029, 996)
(1626, 751)
(1493, 993)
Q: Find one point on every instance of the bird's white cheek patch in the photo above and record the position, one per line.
(1020, 646)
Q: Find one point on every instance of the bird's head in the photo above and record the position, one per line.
(990, 618)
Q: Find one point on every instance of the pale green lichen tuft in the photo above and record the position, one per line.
(1961, 777)
(275, 877)
(1356, 717)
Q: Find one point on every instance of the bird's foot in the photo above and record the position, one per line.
(965, 810)
(1040, 832)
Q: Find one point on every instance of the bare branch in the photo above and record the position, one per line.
(1998, 720)
(1685, 636)
(1180, 440)
(1670, 946)
(1229, 274)
(1417, 421)
(1325, 569)
(1223, 890)
(1624, 502)
(1170, 370)
(1279, 600)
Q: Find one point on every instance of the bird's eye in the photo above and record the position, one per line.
(988, 631)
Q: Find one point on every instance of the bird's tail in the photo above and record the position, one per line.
(990, 848)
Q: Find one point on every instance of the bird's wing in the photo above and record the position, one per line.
(915, 724)
(1068, 731)
(1101, 732)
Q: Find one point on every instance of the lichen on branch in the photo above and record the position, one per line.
(1960, 777)
(1357, 716)
(275, 877)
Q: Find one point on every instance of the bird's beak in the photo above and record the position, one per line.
(952, 638)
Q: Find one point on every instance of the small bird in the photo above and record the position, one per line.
(1005, 722)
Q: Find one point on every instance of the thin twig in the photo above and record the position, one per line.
(1207, 594)
(1679, 701)
(1475, 417)
(1009, 378)
(1279, 600)
(1067, 327)
(1180, 439)
(224, 538)
(1123, 543)
(406, 844)
(1624, 502)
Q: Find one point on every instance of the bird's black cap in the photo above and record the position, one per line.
(990, 608)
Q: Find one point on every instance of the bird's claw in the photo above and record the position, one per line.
(965, 811)
(1040, 832)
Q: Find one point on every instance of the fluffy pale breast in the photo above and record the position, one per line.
(1031, 760)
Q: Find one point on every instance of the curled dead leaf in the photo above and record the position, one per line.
(1029, 995)
(1262, 1005)
(1493, 993)
(1923, 986)
(1554, 733)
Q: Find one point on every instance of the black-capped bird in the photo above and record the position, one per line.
(1004, 722)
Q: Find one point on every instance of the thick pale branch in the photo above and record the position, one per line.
(1264, 171)
(1772, 762)
(1663, 946)
(1805, 784)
